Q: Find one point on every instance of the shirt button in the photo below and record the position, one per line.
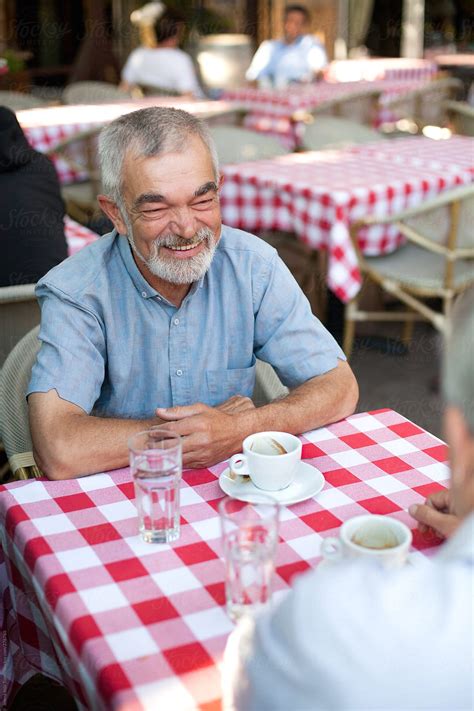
(176, 322)
(179, 372)
(144, 294)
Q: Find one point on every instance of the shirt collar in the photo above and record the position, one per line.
(138, 280)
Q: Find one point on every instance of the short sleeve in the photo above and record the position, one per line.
(287, 334)
(71, 359)
(260, 62)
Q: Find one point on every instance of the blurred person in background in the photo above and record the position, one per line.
(297, 57)
(32, 237)
(164, 66)
(359, 636)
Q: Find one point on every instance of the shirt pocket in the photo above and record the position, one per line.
(224, 383)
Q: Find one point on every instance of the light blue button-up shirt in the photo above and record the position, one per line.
(281, 63)
(114, 346)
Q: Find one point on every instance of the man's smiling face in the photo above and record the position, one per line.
(171, 212)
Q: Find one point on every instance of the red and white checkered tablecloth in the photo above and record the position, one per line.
(371, 69)
(275, 102)
(46, 127)
(272, 111)
(317, 195)
(129, 625)
(77, 236)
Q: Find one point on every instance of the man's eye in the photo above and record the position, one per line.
(153, 210)
(203, 203)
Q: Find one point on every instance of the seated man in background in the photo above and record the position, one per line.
(164, 66)
(358, 636)
(32, 237)
(298, 57)
(170, 311)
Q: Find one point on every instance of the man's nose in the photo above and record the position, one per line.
(184, 223)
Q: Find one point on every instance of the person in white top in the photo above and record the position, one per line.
(297, 57)
(165, 66)
(356, 636)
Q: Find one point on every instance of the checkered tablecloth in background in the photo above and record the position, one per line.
(46, 127)
(77, 236)
(129, 625)
(319, 194)
(272, 111)
(371, 69)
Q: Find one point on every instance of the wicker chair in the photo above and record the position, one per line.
(236, 145)
(461, 117)
(79, 152)
(19, 312)
(148, 90)
(329, 132)
(17, 101)
(93, 92)
(268, 386)
(437, 262)
(14, 427)
(426, 106)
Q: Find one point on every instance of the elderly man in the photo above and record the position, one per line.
(161, 320)
(297, 57)
(359, 637)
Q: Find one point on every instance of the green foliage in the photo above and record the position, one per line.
(15, 60)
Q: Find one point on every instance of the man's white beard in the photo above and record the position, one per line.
(174, 270)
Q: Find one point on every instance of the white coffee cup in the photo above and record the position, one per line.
(270, 472)
(371, 537)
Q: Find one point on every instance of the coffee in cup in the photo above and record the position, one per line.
(270, 459)
(375, 535)
(370, 536)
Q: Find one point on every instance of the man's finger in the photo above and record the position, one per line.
(440, 500)
(444, 524)
(180, 412)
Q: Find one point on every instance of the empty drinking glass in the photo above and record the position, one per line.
(156, 466)
(249, 535)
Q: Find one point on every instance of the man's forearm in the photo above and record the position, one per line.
(85, 445)
(211, 435)
(318, 402)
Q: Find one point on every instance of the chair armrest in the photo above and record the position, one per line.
(459, 107)
(21, 292)
(439, 201)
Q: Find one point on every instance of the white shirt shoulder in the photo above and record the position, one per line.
(163, 67)
(358, 637)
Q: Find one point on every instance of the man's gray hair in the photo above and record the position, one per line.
(147, 132)
(458, 376)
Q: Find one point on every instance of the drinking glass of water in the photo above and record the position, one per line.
(249, 536)
(156, 467)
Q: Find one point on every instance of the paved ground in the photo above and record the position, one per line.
(408, 383)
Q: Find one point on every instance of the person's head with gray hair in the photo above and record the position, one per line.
(458, 386)
(161, 181)
(147, 132)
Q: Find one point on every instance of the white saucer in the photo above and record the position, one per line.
(307, 483)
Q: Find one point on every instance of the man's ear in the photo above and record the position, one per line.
(111, 209)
